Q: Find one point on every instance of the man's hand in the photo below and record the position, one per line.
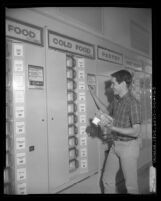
(106, 120)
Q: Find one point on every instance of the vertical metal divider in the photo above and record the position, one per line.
(46, 89)
(99, 148)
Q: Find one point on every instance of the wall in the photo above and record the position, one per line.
(123, 26)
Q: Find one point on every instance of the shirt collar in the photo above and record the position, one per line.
(125, 96)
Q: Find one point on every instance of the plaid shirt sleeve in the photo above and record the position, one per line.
(135, 112)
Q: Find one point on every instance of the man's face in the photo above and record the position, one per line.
(115, 86)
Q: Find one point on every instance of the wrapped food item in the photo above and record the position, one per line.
(105, 119)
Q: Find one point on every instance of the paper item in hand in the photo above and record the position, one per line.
(95, 121)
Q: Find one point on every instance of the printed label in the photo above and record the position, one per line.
(21, 188)
(20, 143)
(82, 107)
(83, 141)
(18, 49)
(21, 158)
(82, 130)
(82, 96)
(19, 112)
(19, 96)
(81, 74)
(83, 152)
(81, 85)
(82, 118)
(19, 83)
(81, 63)
(18, 65)
(83, 163)
(21, 174)
(20, 127)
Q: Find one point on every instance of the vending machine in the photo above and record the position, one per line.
(47, 101)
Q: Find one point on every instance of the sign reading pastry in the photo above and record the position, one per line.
(64, 43)
(24, 31)
(109, 55)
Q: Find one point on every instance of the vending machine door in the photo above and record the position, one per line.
(36, 119)
(57, 119)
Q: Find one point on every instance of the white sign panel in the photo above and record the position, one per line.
(19, 82)
(68, 44)
(20, 143)
(21, 158)
(21, 188)
(21, 174)
(82, 118)
(109, 55)
(20, 127)
(18, 50)
(82, 130)
(18, 65)
(83, 152)
(24, 31)
(83, 163)
(83, 141)
(19, 112)
(19, 96)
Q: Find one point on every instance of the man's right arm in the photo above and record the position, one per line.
(102, 106)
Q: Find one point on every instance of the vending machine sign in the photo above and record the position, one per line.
(23, 31)
(35, 77)
(109, 55)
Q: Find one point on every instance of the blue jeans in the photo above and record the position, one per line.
(128, 153)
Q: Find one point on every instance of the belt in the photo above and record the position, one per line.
(125, 139)
(119, 137)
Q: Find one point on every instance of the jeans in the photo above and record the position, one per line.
(128, 153)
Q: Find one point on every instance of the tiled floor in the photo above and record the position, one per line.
(92, 185)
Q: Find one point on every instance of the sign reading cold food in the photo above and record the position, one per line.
(109, 55)
(23, 31)
(64, 43)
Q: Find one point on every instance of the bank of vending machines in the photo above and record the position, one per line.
(47, 147)
(49, 106)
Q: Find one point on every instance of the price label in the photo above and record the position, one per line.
(82, 118)
(20, 127)
(19, 83)
(21, 188)
(81, 86)
(20, 143)
(82, 107)
(19, 112)
(18, 49)
(81, 63)
(21, 158)
(83, 141)
(18, 65)
(82, 130)
(21, 174)
(82, 96)
(19, 96)
(81, 74)
(83, 152)
(83, 163)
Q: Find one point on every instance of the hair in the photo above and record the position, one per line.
(123, 75)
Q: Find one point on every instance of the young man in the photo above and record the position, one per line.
(125, 129)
